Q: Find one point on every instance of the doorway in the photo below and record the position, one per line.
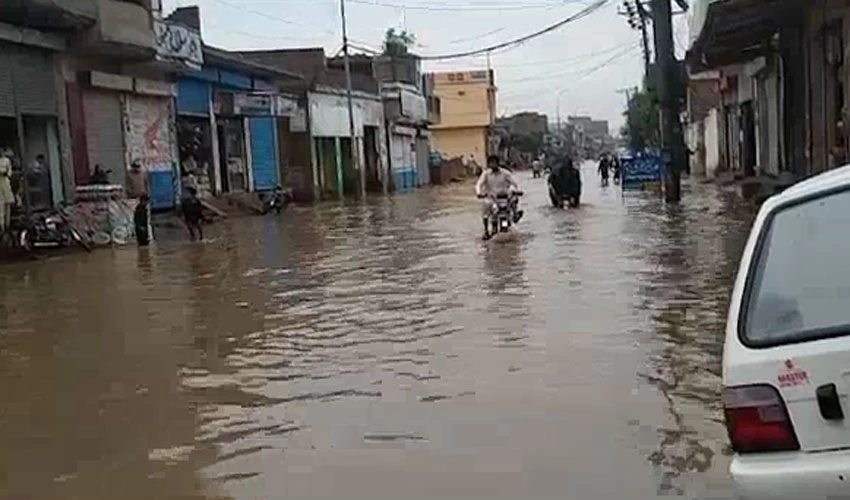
(231, 150)
(370, 152)
(748, 139)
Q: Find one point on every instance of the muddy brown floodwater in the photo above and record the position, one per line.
(380, 351)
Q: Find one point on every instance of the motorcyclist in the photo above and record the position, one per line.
(565, 180)
(537, 167)
(495, 181)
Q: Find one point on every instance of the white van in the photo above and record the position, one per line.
(786, 361)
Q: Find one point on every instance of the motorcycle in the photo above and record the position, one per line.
(560, 194)
(50, 230)
(502, 216)
(276, 201)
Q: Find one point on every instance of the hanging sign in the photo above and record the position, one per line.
(642, 171)
(178, 43)
(253, 104)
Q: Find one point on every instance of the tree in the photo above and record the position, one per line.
(642, 128)
(398, 43)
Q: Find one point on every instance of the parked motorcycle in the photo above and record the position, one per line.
(277, 201)
(50, 230)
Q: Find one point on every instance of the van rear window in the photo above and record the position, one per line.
(799, 289)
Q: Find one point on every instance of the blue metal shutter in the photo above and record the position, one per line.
(263, 162)
(193, 97)
(162, 189)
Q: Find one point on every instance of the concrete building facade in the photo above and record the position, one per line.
(468, 101)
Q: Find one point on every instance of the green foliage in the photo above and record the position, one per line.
(642, 128)
(398, 43)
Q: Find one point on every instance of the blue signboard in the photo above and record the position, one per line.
(639, 170)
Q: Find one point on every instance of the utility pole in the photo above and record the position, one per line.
(353, 145)
(671, 129)
(637, 16)
(643, 14)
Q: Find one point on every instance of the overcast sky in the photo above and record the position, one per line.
(585, 62)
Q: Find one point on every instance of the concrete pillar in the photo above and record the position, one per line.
(340, 188)
(316, 157)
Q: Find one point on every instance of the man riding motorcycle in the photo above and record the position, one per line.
(565, 183)
(495, 181)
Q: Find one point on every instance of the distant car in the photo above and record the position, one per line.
(786, 360)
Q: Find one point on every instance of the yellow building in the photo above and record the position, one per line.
(468, 103)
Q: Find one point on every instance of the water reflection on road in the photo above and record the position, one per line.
(380, 351)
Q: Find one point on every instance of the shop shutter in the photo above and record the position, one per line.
(263, 162)
(193, 97)
(35, 84)
(423, 173)
(105, 133)
(7, 103)
(149, 140)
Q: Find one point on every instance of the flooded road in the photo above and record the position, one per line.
(380, 351)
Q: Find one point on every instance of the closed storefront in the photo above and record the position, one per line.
(403, 157)
(258, 110)
(104, 132)
(423, 146)
(149, 138)
(247, 140)
(131, 121)
(28, 122)
(263, 159)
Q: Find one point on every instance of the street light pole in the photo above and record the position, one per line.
(353, 145)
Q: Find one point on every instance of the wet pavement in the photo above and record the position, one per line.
(380, 351)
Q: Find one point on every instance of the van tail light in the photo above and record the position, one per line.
(757, 420)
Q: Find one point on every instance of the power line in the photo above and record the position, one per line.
(518, 41)
(262, 37)
(481, 8)
(628, 49)
(581, 75)
(269, 16)
(581, 57)
(476, 37)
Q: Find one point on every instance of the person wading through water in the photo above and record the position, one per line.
(193, 214)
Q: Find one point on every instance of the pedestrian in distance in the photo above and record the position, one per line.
(142, 221)
(193, 214)
(604, 169)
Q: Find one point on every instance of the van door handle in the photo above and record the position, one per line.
(829, 402)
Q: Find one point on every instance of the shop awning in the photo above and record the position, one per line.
(738, 30)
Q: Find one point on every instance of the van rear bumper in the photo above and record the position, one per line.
(796, 475)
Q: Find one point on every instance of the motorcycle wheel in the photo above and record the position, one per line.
(78, 238)
(25, 241)
(556, 202)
